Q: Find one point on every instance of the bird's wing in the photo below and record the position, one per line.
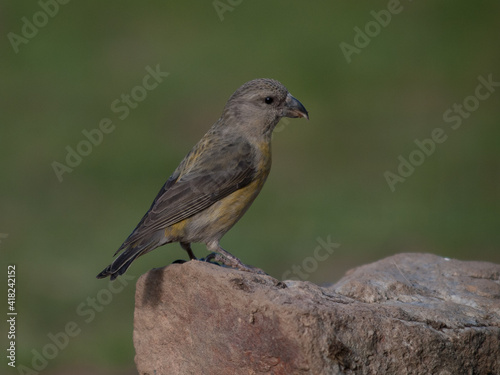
(196, 185)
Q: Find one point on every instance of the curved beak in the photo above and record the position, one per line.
(294, 108)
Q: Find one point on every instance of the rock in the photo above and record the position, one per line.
(406, 314)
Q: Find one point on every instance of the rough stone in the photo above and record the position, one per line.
(406, 314)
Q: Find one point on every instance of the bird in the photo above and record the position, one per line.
(217, 181)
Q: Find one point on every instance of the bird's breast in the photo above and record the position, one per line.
(263, 157)
(212, 223)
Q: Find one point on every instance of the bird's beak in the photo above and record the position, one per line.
(294, 108)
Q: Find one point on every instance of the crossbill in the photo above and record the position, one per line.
(217, 181)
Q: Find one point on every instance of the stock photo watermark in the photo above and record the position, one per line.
(11, 315)
(86, 311)
(121, 107)
(32, 25)
(310, 264)
(373, 28)
(222, 7)
(284, 122)
(454, 116)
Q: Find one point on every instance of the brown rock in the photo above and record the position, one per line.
(406, 314)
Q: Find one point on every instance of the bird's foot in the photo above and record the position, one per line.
(212, 258)
(179, 261)
(231, 262)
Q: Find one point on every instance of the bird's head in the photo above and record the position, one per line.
(258, 105)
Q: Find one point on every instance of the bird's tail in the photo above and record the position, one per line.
(125, 259)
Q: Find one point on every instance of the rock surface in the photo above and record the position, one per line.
(406, 314)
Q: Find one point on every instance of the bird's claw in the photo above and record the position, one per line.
(221, 260)
(179, 261)
(212, 258)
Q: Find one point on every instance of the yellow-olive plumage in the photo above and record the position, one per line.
(218, 179)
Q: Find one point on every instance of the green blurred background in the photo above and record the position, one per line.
(328, 174)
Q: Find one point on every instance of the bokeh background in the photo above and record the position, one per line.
(328, 174)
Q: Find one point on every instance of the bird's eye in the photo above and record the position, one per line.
(268, 100)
